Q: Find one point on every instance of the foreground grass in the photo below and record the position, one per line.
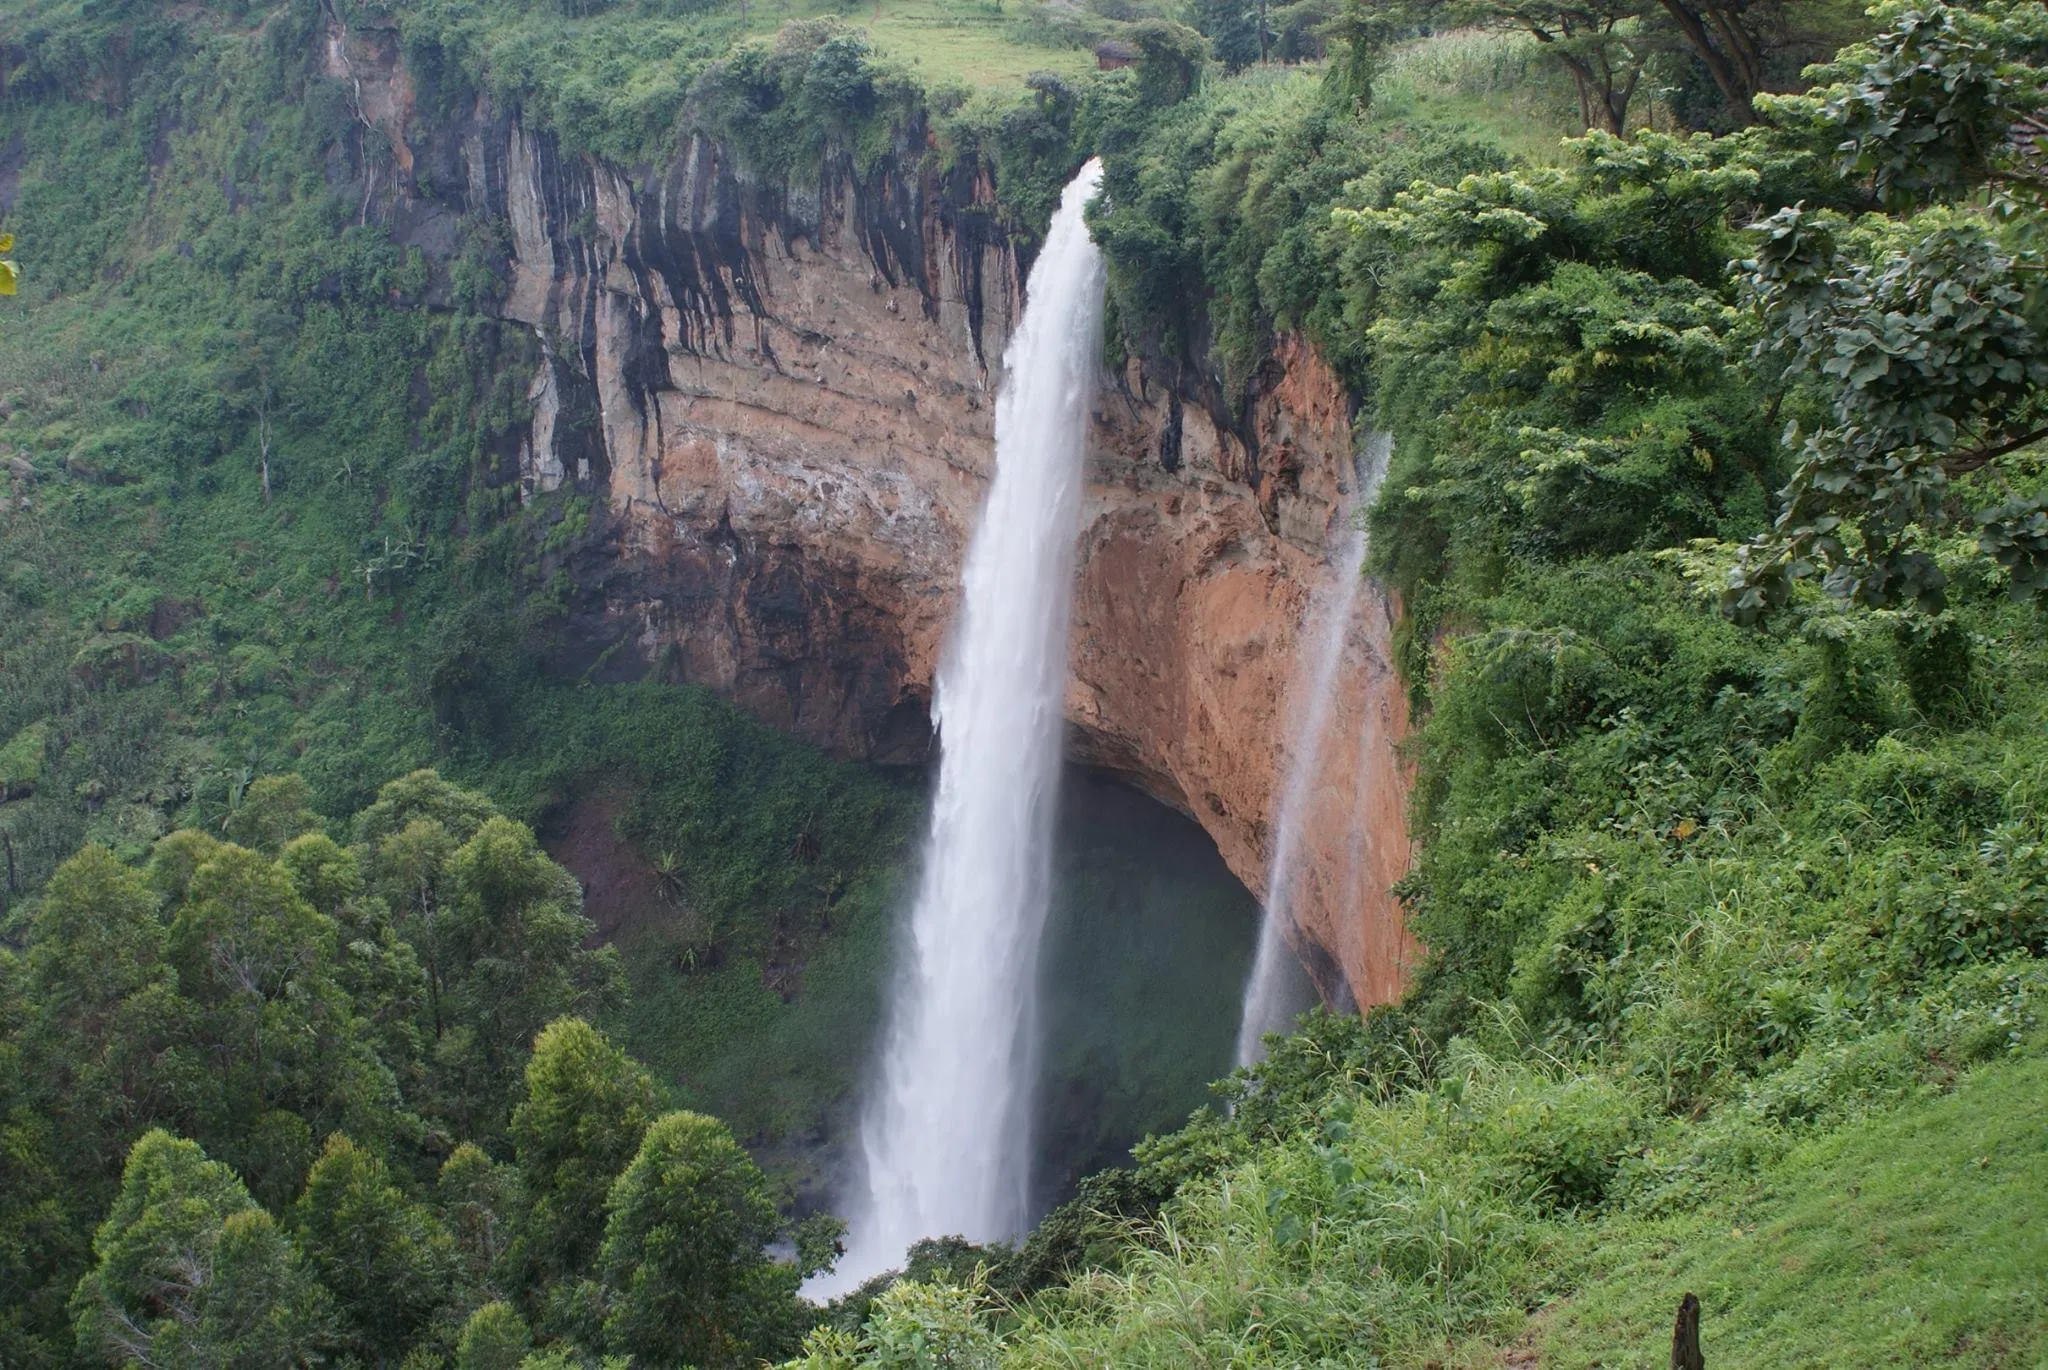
(1916, 1238)
(1913, 1237)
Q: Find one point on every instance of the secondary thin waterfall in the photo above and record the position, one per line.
(1272, 995)
(947, 1133)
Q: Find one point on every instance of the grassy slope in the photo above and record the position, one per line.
(1492, 86)
(1915, 1237)
(972, 42)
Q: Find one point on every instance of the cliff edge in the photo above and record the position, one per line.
(779, 397)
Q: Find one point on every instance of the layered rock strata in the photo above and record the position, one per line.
(781, 399)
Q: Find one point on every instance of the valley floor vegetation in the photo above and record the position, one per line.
(1717, 517)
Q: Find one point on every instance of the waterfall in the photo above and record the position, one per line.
(1276, 991)
(946, 1135)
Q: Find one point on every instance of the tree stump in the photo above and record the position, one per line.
(1685, 1337)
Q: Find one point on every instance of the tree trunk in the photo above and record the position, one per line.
(1742, 43)
(1601, 100)
(1582, 84)
(1617, 100)
(1735, 84)
(263, 443)
(1685, 1337)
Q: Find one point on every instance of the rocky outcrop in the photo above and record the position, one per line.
(1195, 589)
(780, 398)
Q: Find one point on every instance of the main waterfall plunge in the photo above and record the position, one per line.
(946, 1137)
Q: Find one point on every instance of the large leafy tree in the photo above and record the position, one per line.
(494, 1338)
(478, 1200)
(191, 1275)
(273, 810)
(423, 794)
(586, 1109)
(1600, 44)
(1732, 40)
(686, 1231)
(41, 1225)
(518, 934)
(379, 970)
(1236, 30)
(1749, 47)
(104, 1002)
(273, 1057)
(93, 1011)
(1911, 338)
(385, 1257)
(499, 932)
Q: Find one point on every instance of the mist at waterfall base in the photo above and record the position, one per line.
(1146, 951)
(1147, 942)
(946, 1132)
(1278, 990)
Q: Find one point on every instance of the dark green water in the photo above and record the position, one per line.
(1147, 948)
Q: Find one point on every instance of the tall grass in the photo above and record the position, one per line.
(1469, 62)
(1499, 82)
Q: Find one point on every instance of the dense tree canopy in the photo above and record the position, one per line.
(1915, 335)
(257, 1034)
(586, 1108)
(686, 1227)
(190, 1272)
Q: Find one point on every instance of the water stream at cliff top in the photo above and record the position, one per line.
(1277, 990)
(946, 1134)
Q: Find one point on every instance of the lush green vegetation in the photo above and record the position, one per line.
(1716, 515)
(1900, 1238)
(237, 540)
(254, 523)
(307, 1052)
(1731, 879)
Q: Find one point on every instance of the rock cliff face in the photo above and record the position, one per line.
(1195, 592)
(781, 400)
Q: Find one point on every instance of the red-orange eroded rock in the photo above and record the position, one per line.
(1193, 595)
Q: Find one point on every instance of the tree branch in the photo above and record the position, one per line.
(1962, 463)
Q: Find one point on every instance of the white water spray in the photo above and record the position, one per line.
(947, 1133)
(1275, 992)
